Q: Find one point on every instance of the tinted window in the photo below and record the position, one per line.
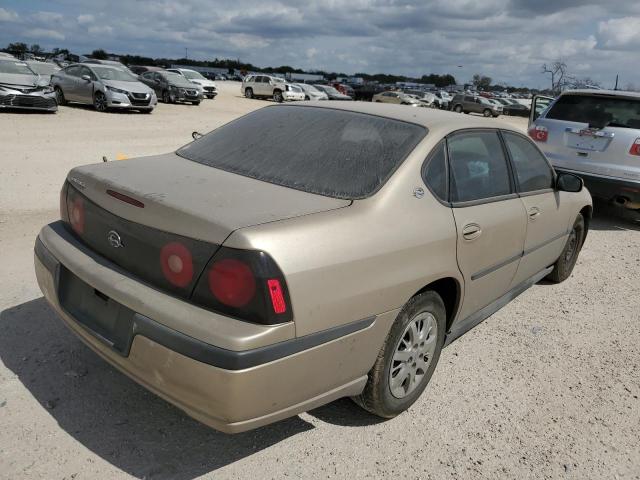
(478, 167)
(317, 150)
(598, 110)
(532, 170)
(74, 71)
(435, 173)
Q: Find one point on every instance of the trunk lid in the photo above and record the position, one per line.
(191, 199)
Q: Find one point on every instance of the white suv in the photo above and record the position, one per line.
(595, 134)
(266, 86)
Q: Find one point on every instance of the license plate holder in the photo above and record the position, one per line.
(104, 317)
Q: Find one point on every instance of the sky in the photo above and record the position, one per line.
(507, 40)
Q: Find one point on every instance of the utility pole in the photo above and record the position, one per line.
(616, 87)
(186, 52)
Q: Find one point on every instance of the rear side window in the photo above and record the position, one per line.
(532, 170)
(435, 172)
(598, 110)
(328, 152)
(478, 166)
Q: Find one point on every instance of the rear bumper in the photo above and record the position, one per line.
(230, 390)
(608, 188)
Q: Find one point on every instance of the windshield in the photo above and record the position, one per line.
(177, 79)
(19, 68)
(317, 150)
(193, 75)
(43, 68)
(112, 73)
(331, 90)
(597, 109)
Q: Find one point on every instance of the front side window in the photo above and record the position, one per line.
(323, 151)
(531, 168)
(478, 168)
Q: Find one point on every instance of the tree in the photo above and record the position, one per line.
(36, 49)
(17, 49)
(558, 71)
(481, 82)
(100, 54)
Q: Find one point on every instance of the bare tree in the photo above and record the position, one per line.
(558, 71)
(481, 82)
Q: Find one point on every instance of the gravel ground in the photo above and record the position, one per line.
(546, 388)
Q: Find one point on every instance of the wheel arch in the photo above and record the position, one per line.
(587, 213)
(450, 291)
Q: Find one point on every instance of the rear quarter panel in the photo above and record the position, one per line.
(364, 259)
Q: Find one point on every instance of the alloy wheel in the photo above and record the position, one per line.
(100, 102)
(413, 354)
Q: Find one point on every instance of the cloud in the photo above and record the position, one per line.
(86, 19)
(42, 33)
(620, 33)
(8, 15)
(507, 40)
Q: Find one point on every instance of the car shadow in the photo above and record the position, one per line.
(345, 413)
(113, 111)
(111, 415)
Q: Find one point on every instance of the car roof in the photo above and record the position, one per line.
(594, 91)
(440, 121)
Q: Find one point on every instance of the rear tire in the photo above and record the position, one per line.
(458, 108)
(248, 92)
(564, 265)
(195, 103)
(487, 113)
(407, 358)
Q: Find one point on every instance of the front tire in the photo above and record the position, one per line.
(277, 96)
(458, 108)
(166, 97)
(408, 357)
(487, 113)
(60, 96)
(100, 102)
(248, 93)
(564, 265)
(195, 103)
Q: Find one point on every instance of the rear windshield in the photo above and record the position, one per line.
(329, 152)
(597, 110)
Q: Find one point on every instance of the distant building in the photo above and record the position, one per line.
(214, 70)
(303, 77)
(351, 80)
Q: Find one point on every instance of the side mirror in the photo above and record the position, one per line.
(86, 78)
(568, 182)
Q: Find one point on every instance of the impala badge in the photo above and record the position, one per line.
(114, 239)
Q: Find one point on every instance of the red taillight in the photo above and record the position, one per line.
(76, 215)
(635, 148)
(177, 264)
(232, 282)
(277, 297)
(539, 133)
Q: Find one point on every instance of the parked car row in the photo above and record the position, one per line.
(105, 84)
(277, 89)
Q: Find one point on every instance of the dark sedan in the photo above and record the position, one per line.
(172, 87)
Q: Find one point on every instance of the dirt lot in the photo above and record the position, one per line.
(548, 387)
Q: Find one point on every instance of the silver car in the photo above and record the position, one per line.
(596, 135)
(22, 88)
(102, 86)
(311, 92)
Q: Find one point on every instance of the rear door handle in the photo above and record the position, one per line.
(471, 231)
(534, 212)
